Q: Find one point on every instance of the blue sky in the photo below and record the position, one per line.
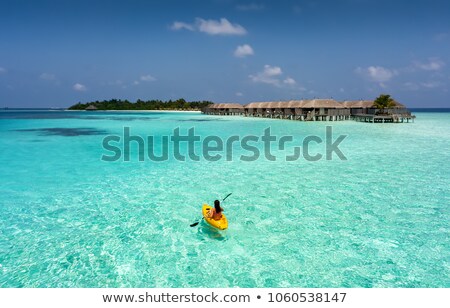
(56, 53)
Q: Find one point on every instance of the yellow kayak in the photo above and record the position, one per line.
(221, 224)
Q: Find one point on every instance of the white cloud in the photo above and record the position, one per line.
(144, 78)
(222, 27)
(211, 26)
(47, 76)
(377, 73)
(272, 70)
(413, 86)
(147, 78)
(79, 87)
(178, 25)
(289, 81)
(239, 94)
(433, 64)
(3, 70)
(380, 74)
(431, 84)
(243, 51)
(268, 75)
(272, 75)
(250, 7)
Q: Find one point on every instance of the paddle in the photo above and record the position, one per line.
(197, 222)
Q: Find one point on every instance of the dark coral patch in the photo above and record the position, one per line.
(66, 132)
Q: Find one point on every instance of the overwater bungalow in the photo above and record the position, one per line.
(224, 109)
(303, 110)
(91, 108)
(315, 110)
(366, 107)
(325, 110)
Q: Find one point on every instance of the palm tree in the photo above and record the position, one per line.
(383, 101)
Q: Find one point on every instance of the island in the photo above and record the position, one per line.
(118, 104)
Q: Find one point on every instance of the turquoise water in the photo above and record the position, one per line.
(381, 218)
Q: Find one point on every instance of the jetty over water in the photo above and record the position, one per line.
(315, 110)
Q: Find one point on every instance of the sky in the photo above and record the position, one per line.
(58, 53)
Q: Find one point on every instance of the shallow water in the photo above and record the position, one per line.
(68, 219)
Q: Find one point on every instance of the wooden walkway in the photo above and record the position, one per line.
(395, 118)
(368, 118)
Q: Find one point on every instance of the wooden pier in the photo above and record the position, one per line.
(394, 118)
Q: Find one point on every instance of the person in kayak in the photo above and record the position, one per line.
(216, 212)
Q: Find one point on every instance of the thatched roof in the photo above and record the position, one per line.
(283, 104)
(226, 106)
(315, 103)
(257, 105)
(398, 105)
(322, 103)
(366, 104)
(357, 104)
(297, 104)
(91, 107)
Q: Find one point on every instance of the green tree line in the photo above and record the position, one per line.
(118, 104)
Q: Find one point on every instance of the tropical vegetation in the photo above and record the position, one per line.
(118, 104)
(382, 102)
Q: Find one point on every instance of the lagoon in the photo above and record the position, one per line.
(380, 218)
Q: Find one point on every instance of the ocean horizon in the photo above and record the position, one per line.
(419, 109)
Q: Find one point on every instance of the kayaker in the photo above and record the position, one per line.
(216, 212)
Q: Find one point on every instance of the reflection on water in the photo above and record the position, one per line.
(207, 231)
